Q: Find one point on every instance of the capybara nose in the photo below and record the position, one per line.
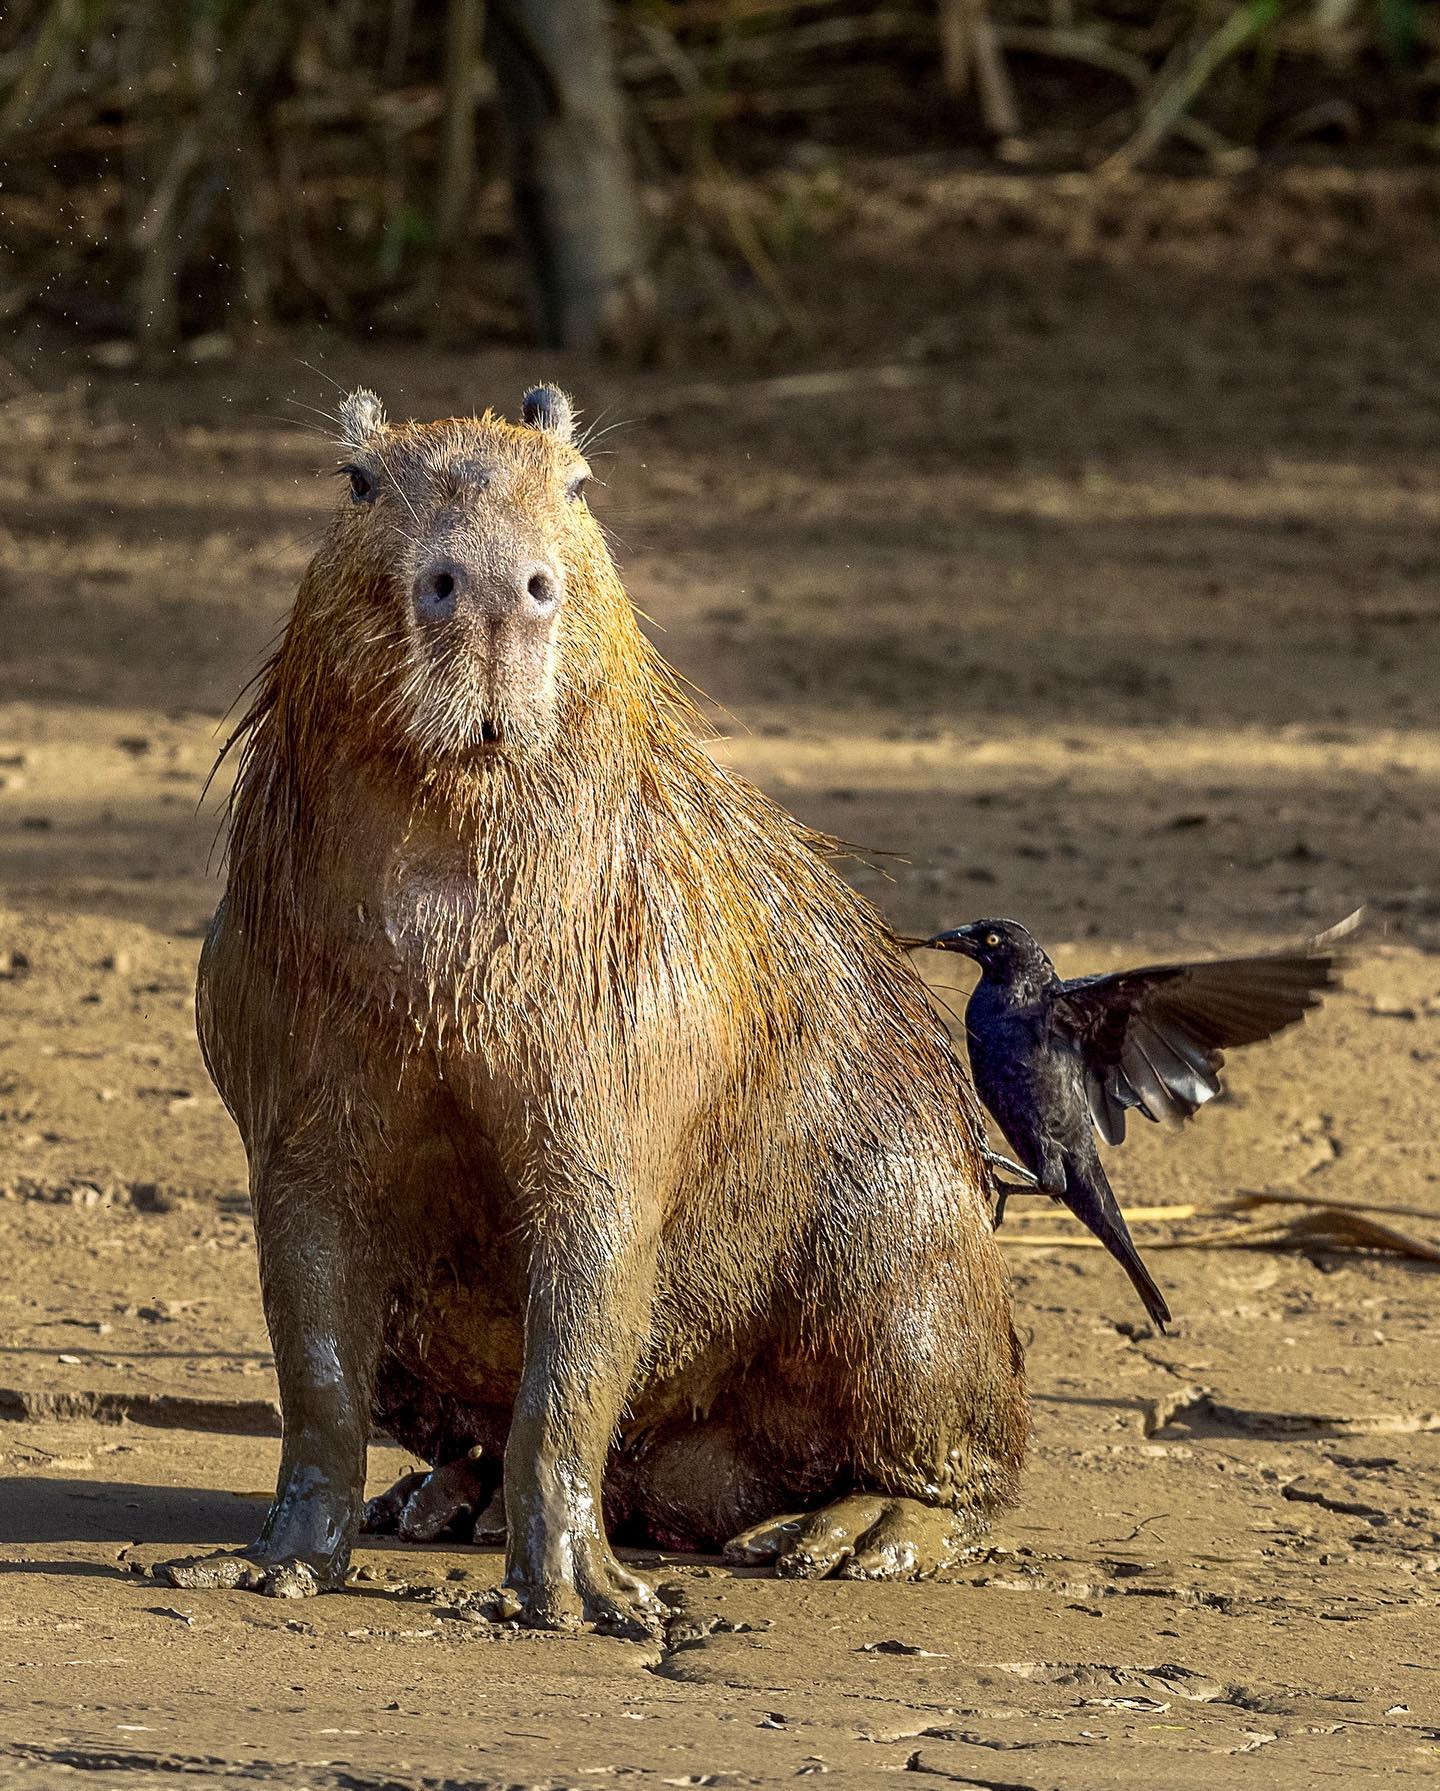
(541, 586)
(439, 588)
(533, 588)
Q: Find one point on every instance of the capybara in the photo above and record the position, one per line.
(598, 1132)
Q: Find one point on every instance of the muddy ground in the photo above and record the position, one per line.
(1102, 591)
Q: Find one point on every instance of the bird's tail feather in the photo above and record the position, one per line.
(1089, 1197)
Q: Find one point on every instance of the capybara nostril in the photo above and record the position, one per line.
(436, 590)
(543, 585)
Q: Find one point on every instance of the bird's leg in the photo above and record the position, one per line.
(1003, 1191)
(1026, 1184)
(997, 1160)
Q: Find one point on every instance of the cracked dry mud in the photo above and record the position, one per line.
(1131, 635)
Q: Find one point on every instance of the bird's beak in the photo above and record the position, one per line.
(957, 939)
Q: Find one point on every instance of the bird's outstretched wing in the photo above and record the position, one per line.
(1153, 1039)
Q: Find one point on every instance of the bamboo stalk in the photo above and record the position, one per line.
(954, 21)
(711, 181)
(970, 51)
(998, 106)
(158, 242)
(397, 42)
(1239, 28)
(457, 138)
(54, 30)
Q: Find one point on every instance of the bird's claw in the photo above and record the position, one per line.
(1025, 1184)
(997, 1160)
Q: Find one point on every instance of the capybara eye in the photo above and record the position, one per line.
(362, 486)
(575, 490)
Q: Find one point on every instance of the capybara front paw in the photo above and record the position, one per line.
(286, 1577)
(599, 1595)
(866, 1536)
(381, 1516)
(454, 1500)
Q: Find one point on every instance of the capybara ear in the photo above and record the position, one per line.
(362, 417)
(547, 408)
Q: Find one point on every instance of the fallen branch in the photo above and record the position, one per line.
(970, 50)
(1176, 99)
(1098, 52)
(1326, 1224)
(793, 388)
(1249, 1198)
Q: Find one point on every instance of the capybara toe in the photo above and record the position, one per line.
(865, 1536)
(762, 1543)
(383, 1512)
(908, 1541)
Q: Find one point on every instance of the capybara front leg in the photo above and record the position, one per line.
(591, 1288)
(322, 1306)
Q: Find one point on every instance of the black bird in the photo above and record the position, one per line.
(1054, 1061)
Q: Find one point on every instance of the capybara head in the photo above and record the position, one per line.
(463, 595)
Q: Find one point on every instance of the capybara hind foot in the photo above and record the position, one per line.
(449, 1501)
(600, 1594)
(865, 1536)
(285, 1578)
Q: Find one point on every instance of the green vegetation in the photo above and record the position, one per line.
(176, 166)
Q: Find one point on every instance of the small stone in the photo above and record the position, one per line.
(687, 1632)
(154, 1197)
(292, 1579)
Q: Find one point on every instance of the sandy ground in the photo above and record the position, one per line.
(1116, 613)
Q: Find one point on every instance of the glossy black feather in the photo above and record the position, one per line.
(1154, 1039)
(1056, 1061)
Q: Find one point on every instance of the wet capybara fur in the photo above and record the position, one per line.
(604, 1147)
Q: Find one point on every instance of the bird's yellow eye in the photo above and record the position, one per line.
(992, 938)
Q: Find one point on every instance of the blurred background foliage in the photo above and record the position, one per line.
(178, 169)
